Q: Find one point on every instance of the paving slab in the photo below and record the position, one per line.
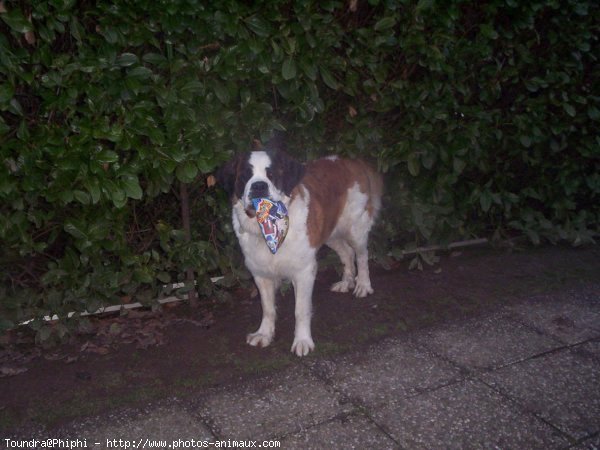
(562, 387)
(486, 342)
(387, 371)
(273, 406)
(592, 443)
(568, 317)
(591, 347)
(351, 432)
(156, 426)
(467, 414)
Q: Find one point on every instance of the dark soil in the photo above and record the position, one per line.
(178, 351)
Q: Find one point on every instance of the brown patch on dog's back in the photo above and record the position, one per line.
(369, 182)
(328, 182)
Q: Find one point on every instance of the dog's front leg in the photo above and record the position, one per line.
(303, 287)
(264, 334)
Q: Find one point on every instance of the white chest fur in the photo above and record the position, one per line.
(294, 255)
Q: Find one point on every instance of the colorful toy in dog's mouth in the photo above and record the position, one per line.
(273, 220)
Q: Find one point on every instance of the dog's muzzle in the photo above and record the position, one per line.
(258, 189)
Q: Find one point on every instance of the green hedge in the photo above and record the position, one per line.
(484, 115)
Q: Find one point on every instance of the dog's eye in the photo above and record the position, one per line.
(246, 174)
(269, 173)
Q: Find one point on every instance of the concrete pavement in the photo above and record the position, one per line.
(524, 375)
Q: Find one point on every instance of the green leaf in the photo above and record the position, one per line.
(23, 131)
(15, 20)
(428, 160)
(15, 107)
(77, 31)
(82, 197)
(93, 187)
(4, 128)
(569, 109)
(140, 72)
(192, 87)
(310, 70)
(154, 58)
(116, 194)
(187, 172)
(458, 165)
(142, 275)
(131, 186)
(488, 31)
(414, 165)
(205, 165)
(110, 35)
(424, 5)
(75, 231)
(328, 79)
(6, 93)
(258, 25)
(66, 196)
(126, 59)
(118, 198)
(581, 8)
(385, 23)
(107, 156)
(288, 70)
(163, 277)
(221, 92)
(525, 141)
(485, 200)
(593, 113)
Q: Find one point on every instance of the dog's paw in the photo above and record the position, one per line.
(341, 286)
(363, 289)
(258, 339)
(301, 347)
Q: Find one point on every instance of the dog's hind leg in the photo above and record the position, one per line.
(346, 254)
(359, 241)
(363, 281)
(264, 335)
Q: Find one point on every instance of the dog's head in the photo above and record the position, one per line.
(260, 174)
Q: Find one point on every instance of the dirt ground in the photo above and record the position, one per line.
(178, 351)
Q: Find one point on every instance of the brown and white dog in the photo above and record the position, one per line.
(331, 201)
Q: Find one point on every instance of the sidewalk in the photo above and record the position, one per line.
(524, 375)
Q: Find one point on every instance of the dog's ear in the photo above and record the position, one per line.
(287, 171)
(227, 174)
